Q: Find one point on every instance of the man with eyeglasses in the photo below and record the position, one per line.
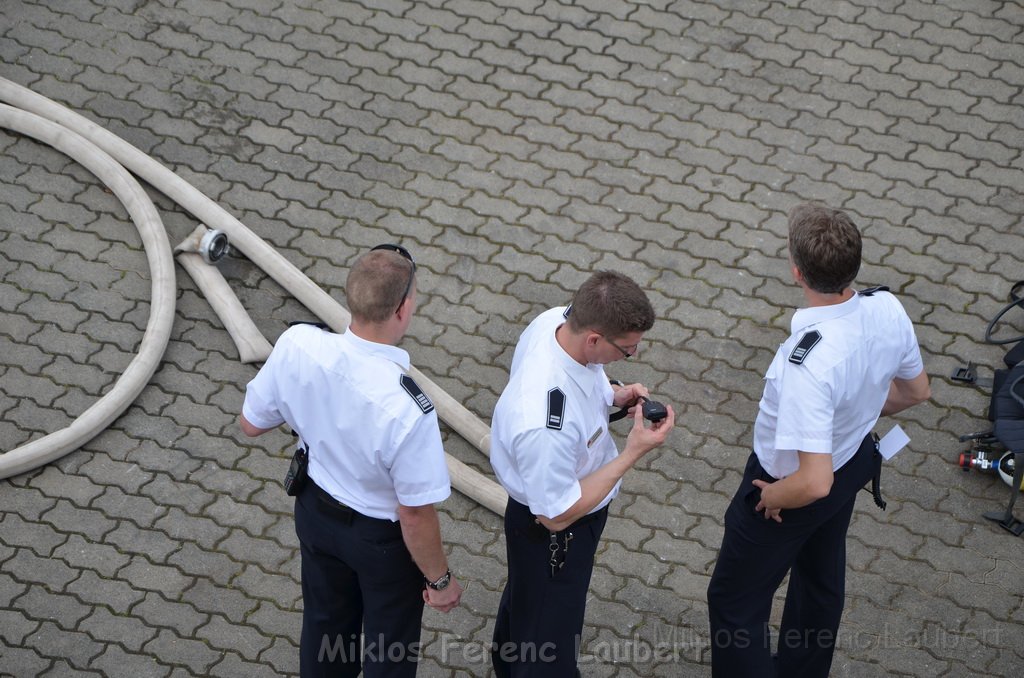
(369, 535)
(552, 451)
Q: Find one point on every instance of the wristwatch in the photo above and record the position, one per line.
(442, 582)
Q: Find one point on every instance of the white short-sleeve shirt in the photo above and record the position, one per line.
(832, 400)
(373, 437)
(539, 450)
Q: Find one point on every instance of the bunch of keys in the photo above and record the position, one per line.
(557, 564)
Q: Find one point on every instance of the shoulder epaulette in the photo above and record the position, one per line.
(807, 342)
(417, 394)
(556, 408)
(871, 290)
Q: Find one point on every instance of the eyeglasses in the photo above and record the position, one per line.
(412, 274)
(624, 352)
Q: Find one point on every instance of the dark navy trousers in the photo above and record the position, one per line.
(357, 577)
(756, 554)
(540, 617)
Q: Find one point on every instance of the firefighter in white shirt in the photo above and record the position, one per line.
(552, 451)
(851, 357)
(369, 535)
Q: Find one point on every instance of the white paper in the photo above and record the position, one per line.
(892, 442)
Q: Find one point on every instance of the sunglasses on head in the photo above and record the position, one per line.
(405, 255)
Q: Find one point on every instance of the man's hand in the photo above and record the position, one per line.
(446, 600)
(766, 504)
(628, 395)
(811, 481)
(421, 531)
(642, 439)
(596, 486)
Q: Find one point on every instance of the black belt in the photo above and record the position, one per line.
(332, 506)
(590, 517)
(876, 476)
(538, 531)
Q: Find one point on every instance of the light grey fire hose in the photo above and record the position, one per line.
(194, 255)
(161, 316)
(470, 427)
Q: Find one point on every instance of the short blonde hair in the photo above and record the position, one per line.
(376, 283)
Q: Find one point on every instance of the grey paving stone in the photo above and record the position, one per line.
(25, 660)
(159, 612)
(114, 660)
(178, 525)
(73, 646)
(17, 625)
(42, 604)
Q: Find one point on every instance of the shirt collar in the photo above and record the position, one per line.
(805, 317)
(585, 376)
(396, 355)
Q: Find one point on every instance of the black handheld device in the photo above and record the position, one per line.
(295, 479)
(653, 410)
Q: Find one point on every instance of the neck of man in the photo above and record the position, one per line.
(380, 333)
(820, 299)
(571, 343)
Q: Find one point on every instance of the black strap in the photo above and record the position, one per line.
(1005, 518)
(876, 479)
(1016, 299)
(618, 414)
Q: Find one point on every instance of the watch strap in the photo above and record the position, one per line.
(441, 583)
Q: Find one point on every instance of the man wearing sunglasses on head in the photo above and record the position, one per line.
(552, 451)
(369, 535)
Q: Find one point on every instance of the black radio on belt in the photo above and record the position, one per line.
(295, 479)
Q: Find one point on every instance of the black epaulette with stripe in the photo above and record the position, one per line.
(807, 342)
(556, 408)
(417, 394)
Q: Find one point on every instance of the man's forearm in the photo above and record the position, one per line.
(904, 393)
(811, 481)
(597, 485)
(593, 488)
(249, 429)
(421, 531)
(790, 493)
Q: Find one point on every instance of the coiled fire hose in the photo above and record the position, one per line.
(465, 479)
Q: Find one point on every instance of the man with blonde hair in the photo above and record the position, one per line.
(369, 535)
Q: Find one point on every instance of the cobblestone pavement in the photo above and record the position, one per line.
(514, 146)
